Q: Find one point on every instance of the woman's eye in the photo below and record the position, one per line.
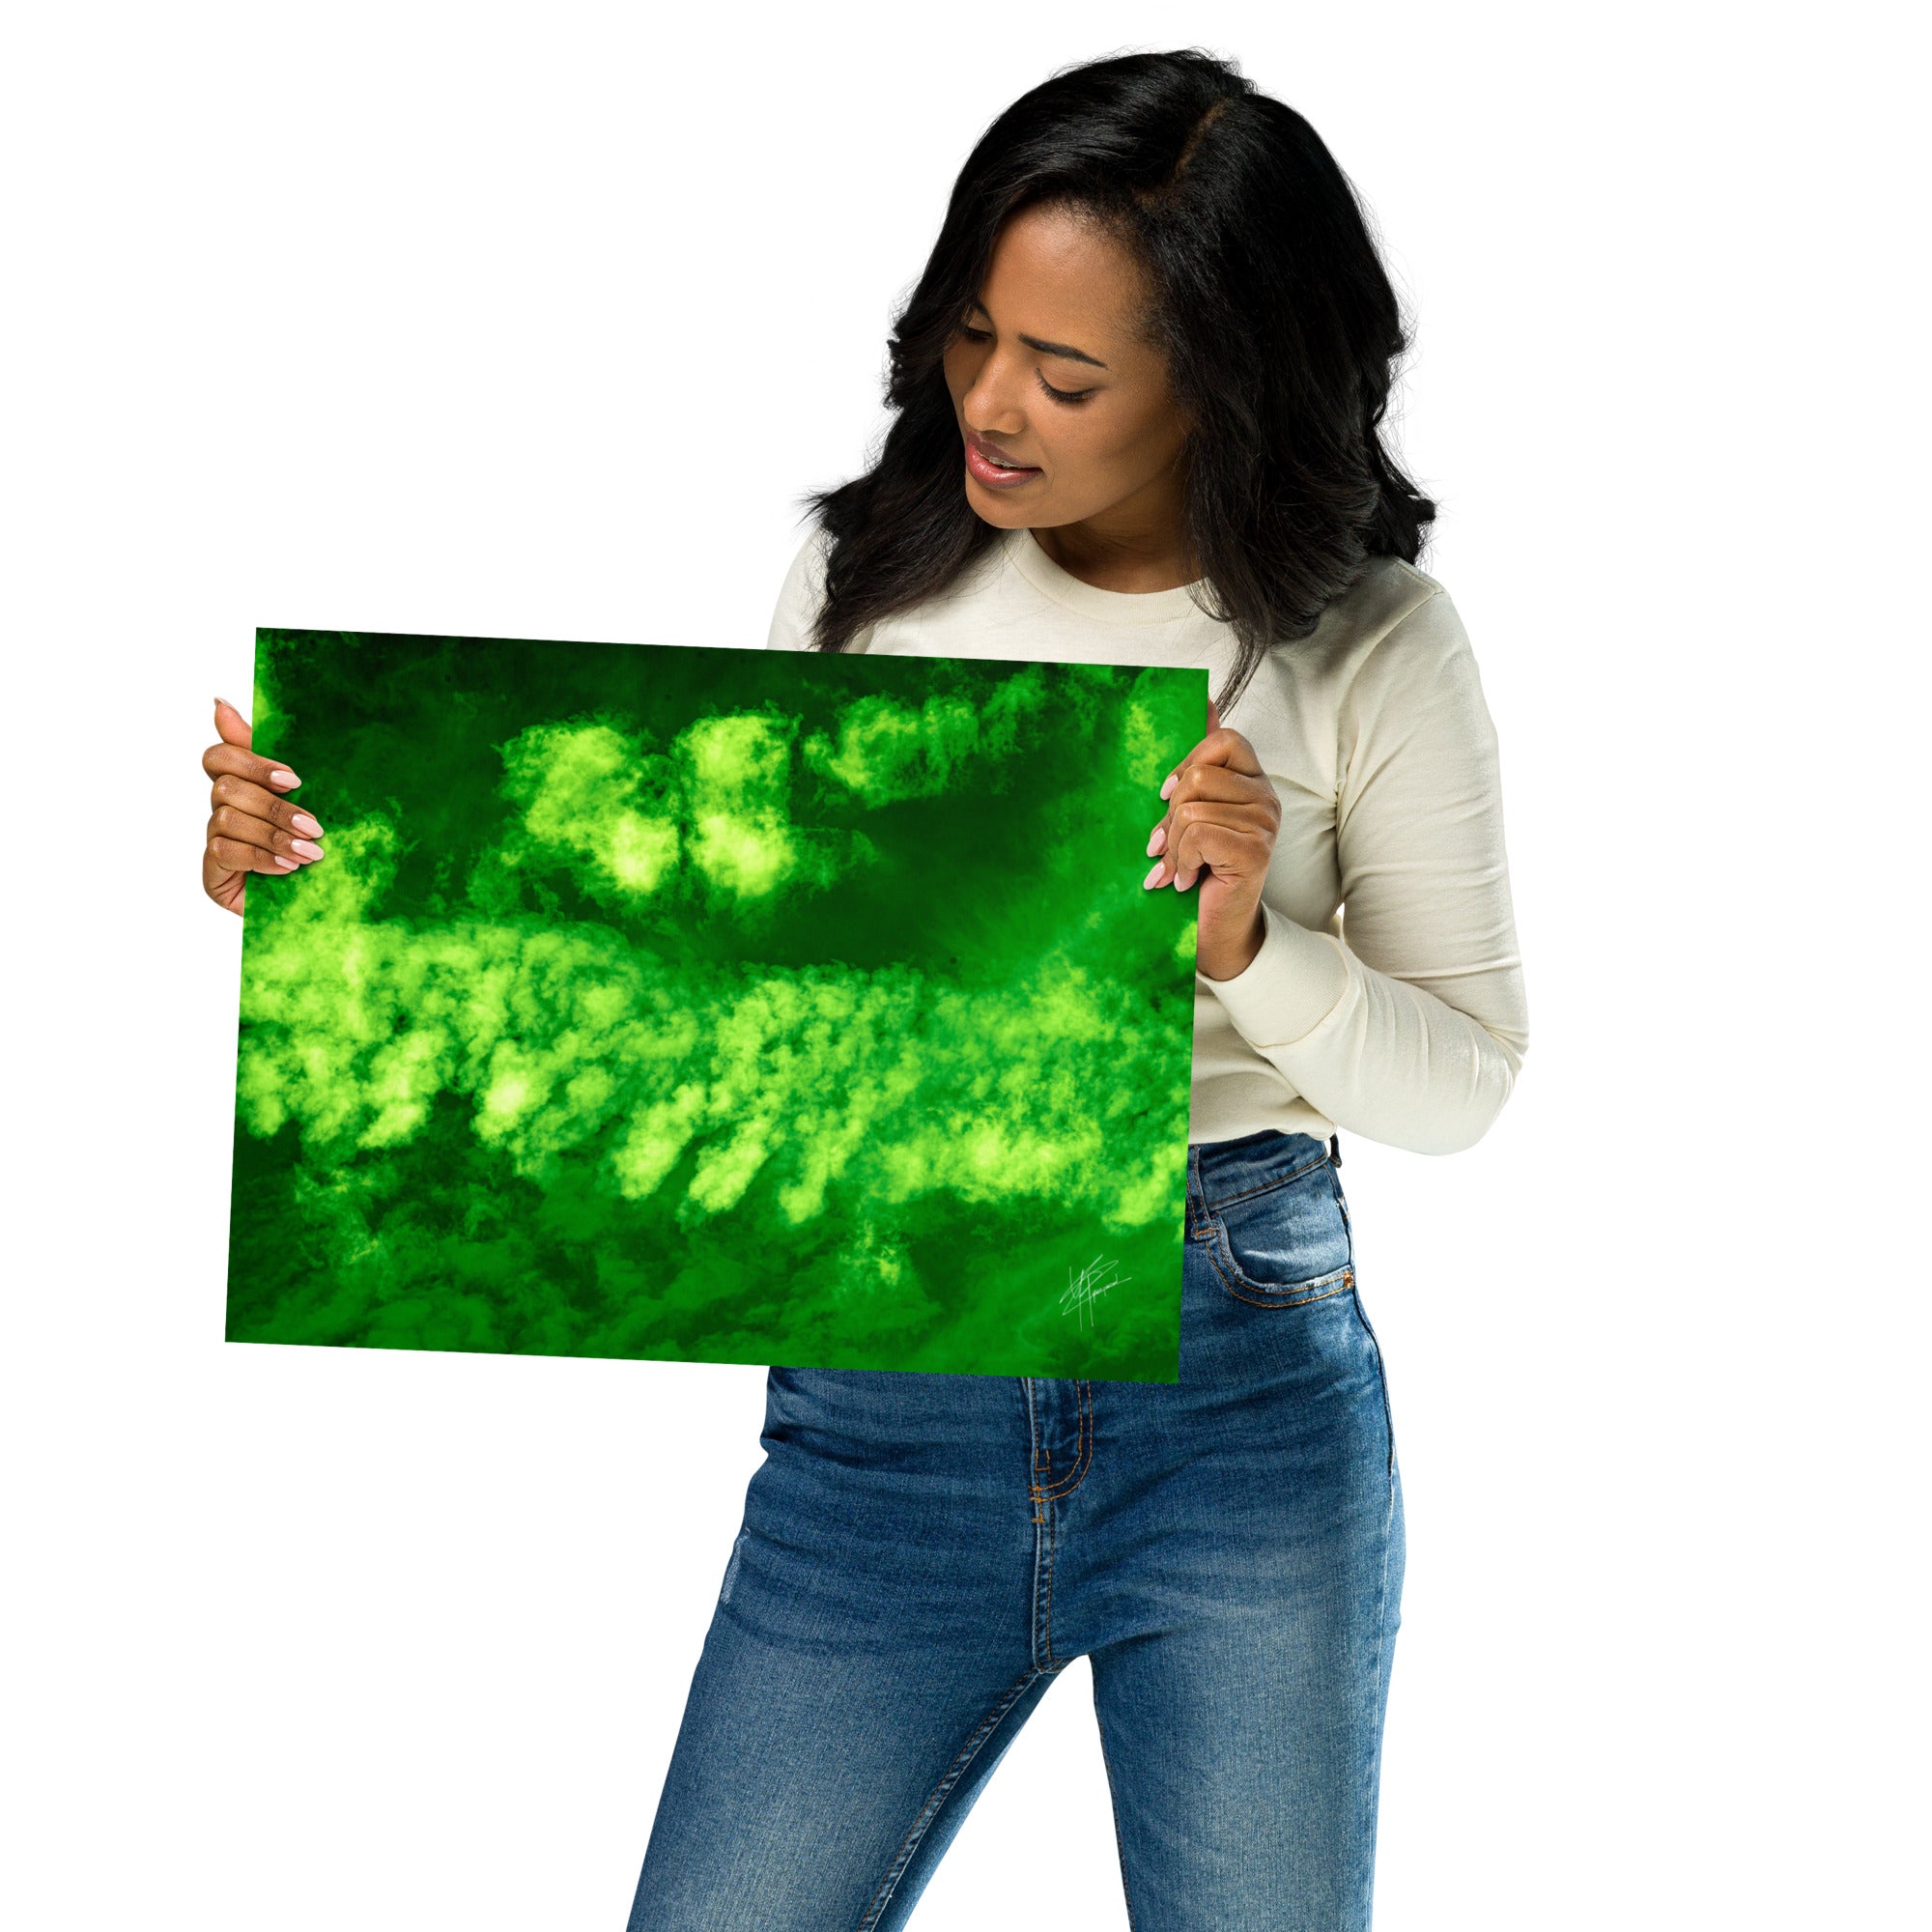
(1058, 395)
(1064, 395)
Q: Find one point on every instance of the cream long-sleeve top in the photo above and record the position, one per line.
(1387, 997)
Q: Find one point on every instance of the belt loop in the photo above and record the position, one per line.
(1335, 1148)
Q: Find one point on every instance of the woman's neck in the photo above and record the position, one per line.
(1137, 561)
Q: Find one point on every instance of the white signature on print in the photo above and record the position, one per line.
(1084, 1289)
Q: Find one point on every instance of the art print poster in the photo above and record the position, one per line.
(717, 1005)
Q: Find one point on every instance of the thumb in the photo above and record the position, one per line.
(1213, 716)
(234, 728)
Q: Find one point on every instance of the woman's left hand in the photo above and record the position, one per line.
(1222, 816)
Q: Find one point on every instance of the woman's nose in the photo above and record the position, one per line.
(989, 406)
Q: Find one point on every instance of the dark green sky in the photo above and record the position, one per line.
(717, 1005)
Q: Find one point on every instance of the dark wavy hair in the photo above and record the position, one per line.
(1268, 301)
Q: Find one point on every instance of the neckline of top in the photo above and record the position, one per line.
(1110, 607)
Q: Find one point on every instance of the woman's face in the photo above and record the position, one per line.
(1054, 315)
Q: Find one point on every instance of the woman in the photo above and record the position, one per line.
(1138, 393)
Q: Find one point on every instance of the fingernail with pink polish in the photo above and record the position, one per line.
(302, 822)
(1169, 785)
(282, 777)
(307, 848)
(1152, 875)
(1158, 840)
(287, 864)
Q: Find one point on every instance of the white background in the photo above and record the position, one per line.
(535, 323)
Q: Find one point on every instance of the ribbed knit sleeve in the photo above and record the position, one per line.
(1411, 1026)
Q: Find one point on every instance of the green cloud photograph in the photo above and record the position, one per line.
(715, 1005)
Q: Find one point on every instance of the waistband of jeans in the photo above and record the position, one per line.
(1219, 1171)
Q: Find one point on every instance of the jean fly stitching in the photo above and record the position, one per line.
(1083, 1454)
(1043, 1543)
(1046, 1539)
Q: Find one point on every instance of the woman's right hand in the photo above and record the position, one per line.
(254, 828)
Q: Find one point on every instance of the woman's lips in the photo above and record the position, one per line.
(996, 475)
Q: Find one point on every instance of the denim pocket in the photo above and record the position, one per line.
(1285, 1241)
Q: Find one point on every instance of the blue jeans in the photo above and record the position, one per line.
(923, 1554)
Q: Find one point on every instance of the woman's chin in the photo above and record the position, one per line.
(996, 506)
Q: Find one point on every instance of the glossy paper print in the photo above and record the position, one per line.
(717, 1005)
